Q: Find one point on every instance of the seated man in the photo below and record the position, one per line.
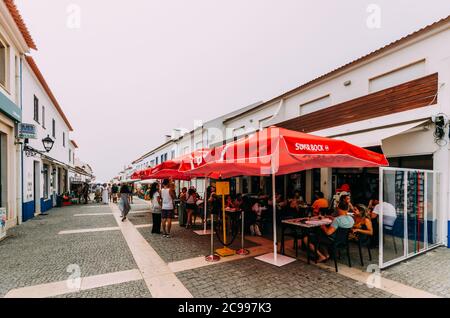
(320, 203)
(389, 213)
(327, 233)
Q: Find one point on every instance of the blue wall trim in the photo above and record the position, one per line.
(448, 236)
(28, 210)
(47, 204)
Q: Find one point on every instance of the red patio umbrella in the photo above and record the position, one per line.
(138, 175)
(176, 168)
(278, 151)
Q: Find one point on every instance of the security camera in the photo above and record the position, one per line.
(439, 119)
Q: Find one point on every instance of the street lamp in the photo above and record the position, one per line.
(48, 143)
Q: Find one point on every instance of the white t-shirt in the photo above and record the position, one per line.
(167, 201)
(155, 203)
(389, 213)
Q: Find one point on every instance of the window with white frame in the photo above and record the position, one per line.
(397, 76)
(43, 117)
(172, 154)
(262, 122)
(70, 155)
(3, 63)
(36, 109)
(64, 139)
(53, 128)
(315, 105)
(238, 132)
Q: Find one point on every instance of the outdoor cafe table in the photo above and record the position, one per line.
(307, 225)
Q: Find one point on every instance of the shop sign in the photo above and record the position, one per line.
(9, 108)
(2, 223)
(27, 131)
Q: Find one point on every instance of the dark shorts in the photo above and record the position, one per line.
(167, 214)
(191, 206)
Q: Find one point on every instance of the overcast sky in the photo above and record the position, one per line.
(135, 69)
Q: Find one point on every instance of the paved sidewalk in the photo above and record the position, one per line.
(429, 272)
(34, 253)
(35, 259)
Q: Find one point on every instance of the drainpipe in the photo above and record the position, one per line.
(280, 105)
(20, 199)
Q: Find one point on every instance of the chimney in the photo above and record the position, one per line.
(176, 133)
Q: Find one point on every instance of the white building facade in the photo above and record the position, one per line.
(45, 174)
(15, 41)
(395, 100)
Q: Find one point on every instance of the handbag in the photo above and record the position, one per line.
(152, 207)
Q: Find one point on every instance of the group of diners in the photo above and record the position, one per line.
(357, 219)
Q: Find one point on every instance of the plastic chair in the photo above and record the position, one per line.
(340, 243)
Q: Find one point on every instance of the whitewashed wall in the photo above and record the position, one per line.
(60, 152)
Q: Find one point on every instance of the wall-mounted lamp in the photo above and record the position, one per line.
(31, 152)
(48, 143)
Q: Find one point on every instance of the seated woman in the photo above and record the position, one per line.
(346, 198)
(319, 203)
(281, 206)
(229, 202)
(237, 204)
(293, 207)
(191, 207)
(257, 209)
(363, 223)
(327, 233)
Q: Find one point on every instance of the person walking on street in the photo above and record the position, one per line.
(156, 201)
(182, 208)
(191, 207)
(86, 193)
(109, 193)
(124, 204)
(131, 187)
(167, 196)
(105, 194)
(114, 190)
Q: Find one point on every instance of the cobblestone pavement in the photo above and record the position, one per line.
(136, 289)
(253, 278)
(35, 254)
(184, 243)
(429, 272)
(140, 218)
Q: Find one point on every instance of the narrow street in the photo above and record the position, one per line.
(41, 258)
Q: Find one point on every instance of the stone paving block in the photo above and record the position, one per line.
(35, 254)
(269, 281)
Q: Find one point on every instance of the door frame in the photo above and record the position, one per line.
(37, 187)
